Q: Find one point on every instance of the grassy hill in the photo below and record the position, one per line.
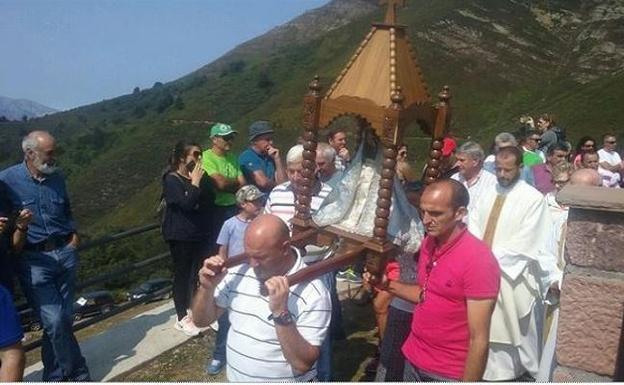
(501, 59)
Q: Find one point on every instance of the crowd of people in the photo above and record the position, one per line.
(477, 302)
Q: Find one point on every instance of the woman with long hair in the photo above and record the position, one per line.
(585, 144)
(186, 225)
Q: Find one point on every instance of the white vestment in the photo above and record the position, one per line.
(484, 181)
(528, 266)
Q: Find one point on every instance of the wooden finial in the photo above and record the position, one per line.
(392, 10)
(445, 95)
(397, 96)
(315, 84)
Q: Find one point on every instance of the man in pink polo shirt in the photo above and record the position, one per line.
(458, 283)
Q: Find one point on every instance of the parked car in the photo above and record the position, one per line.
(149, 287)
(29, 320)
(93, 303)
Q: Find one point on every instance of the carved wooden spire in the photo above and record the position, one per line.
(391, 12)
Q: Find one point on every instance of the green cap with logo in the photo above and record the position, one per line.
(221, 129)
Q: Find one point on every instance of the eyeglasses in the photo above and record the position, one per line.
(228, 138)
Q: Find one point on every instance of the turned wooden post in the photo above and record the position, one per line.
(311, 113)
(384, 194)
(432, 173)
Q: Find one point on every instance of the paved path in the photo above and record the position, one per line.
(127, 345)
(136, 341)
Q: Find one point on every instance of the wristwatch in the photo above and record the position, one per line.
(285, 318)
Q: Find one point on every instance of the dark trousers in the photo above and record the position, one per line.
(48, 279)
(186, 257)
(391, 359)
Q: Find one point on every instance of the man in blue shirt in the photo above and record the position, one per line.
(47, 266)
(261, 163)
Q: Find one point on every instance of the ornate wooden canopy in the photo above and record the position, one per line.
(382, 84)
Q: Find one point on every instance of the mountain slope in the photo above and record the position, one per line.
(16, 109)
(501, 59)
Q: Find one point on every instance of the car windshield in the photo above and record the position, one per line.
(145, 286)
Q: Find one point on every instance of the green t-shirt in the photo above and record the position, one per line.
(530, 158)
(224, 165)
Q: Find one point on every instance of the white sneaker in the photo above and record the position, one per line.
(187, 326)
(215, 326)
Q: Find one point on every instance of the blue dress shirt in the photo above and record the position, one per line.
(47, 199)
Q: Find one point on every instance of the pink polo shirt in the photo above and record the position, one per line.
(465, 268)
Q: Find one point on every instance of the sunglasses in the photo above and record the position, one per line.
(229, 137)
(196, 154)
(536, 139)
(611, 141)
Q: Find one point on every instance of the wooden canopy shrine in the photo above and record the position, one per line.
(382, 86)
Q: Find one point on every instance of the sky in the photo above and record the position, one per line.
(68, 53)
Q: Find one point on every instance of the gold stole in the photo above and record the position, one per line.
(490, 228)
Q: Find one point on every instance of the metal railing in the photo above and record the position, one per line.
(24, 310)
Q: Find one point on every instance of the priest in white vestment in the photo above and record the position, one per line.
(513, 217)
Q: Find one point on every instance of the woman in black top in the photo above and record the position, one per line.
(186, 225)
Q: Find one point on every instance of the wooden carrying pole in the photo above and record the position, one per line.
(311, 272)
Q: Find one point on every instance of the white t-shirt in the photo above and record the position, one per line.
(609, 178)
(254, 353)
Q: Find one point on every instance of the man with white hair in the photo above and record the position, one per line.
(281, 200)
(471, 174)
(504, 139)
(47, 266)
(281, 203)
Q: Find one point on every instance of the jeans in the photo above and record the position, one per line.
(221, 341)
(413, 374)
(48, 280)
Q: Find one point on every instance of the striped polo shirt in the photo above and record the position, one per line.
(281, 201)
(254, 353)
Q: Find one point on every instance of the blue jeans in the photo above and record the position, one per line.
(48, 280)
(221, 340)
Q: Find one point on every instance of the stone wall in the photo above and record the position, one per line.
(589, 339)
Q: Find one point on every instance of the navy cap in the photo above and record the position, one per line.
(259, 127)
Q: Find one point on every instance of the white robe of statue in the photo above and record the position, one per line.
(528, 267)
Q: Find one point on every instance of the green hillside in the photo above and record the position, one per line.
(500, 58)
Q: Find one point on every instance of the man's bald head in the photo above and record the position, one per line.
(267, 245)
(36, 140)
(268, 230)
(586, 177)
(40, 153)
(453, 192)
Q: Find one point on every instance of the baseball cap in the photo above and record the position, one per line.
(248, 193)
(258, 128)
(448, 146)
(221, 129)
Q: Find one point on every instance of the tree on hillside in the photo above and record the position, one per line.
(139, 112)
(179, 103)
(157, 85)
(136, 91)
(164, 103)
(3, 119)
(264, 81)
(24, 118)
